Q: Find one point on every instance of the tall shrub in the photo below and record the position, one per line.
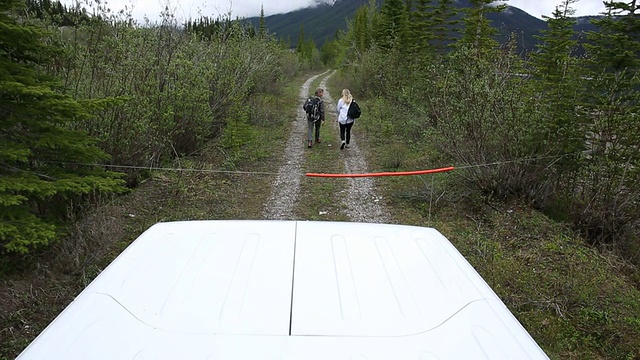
(182, 86)
(487, 121)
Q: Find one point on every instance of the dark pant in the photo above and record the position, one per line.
(345, 131)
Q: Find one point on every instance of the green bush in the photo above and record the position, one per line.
(180, 88)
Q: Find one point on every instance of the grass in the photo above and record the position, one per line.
(35, 289)
(319, 197)
(576, 302)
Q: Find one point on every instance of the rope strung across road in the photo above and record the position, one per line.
(438, 170)
(320, 175)
(133, 167)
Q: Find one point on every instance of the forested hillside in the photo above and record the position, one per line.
(544, 202)
(321, 23)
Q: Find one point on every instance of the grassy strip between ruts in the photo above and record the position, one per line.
(319, 198)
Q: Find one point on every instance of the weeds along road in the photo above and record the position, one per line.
(357, 197)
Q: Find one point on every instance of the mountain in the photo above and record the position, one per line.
(320, 22)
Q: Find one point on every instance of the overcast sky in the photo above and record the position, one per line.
(185, 9)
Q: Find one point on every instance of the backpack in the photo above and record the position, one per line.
(354, 110)
(312, 108)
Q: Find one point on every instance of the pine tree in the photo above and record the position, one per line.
(422, 27)
(558, 79)
(262, 29)
(616, 44)
(393, 27)
(477, 31)
(361, 28)
(57, 14)
(553, 57)
(300, 45)
(41, 156)
(443, 23)
(432, 25)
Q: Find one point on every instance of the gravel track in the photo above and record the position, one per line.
(359, 200)
(286, 186)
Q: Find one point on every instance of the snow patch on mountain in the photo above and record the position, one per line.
(323, 2)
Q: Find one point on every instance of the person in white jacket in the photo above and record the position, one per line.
(344, 121)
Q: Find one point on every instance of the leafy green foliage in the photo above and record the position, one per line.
(558, 130)
(483, 115)
(180, 87)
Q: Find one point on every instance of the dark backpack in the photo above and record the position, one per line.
(354, 110)
(312, 108)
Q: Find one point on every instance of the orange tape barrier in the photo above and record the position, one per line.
(399, 173)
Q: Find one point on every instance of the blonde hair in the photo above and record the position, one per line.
(346, 96)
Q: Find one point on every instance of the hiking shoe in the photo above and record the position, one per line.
(318, 141)
(343, 145)
(310, 144)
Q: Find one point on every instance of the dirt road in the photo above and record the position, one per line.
(360, 201)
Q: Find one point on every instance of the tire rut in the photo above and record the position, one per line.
(360, 201)
(286, 186)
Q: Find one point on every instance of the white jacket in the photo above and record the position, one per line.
(342, 109)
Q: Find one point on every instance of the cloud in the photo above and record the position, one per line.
(185, 9)
(546, 7)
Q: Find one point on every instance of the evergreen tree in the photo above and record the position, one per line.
(443, 23)
(301, 43)
(616, 44)
(362, 28)
(393, 27)
(306, 49)
(329, 53)
(477, 31)
(558, 79)
(422, 27)
(432, 24)
(262, 29)
(614, 56)
(41, 156)
(57, 14)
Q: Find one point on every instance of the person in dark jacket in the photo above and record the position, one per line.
(316, 124)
